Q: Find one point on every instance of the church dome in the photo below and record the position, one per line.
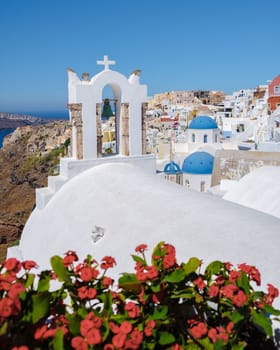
(203, 122)
(172, 168)
(198, 163)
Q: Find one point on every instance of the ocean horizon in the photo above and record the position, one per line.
(61, 115)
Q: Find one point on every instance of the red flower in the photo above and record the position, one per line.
(78, 343)
(252, 272)
(97, 322)
(199, 330)
(29, 264)
(222, 334)
(199, 283)
(107, 281)
(132, 309)
(91, 293)
(107, 262)
(220, 280)
(152, 272)
(228, 290)
(213, 291)
(228, 266)
(234, 275)
(148, 330)
(212, 334)
(4, 283)
(22, 347)
(118, 340)
(12, 264)
(169, 261)
(271, 295)
(6, 307)
(93, 336)
(239, 299)
(114, 328)
(136, 338)
(85, 327)
(141, 248)
(230, 327)
(39, 332)
(15, 290)
(125, 327)
(176, 347)
(109, 347)
(88, 273)
(82, 292)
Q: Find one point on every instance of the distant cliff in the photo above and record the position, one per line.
(28, 156)
(12, 120)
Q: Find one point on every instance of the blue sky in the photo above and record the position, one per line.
(178, 44)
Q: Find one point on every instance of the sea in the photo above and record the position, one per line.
(60, 115)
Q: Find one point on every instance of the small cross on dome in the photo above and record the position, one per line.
(106, 62)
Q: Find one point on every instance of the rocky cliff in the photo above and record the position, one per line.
(28, 156)
(13, 120)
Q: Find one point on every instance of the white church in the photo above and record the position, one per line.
(108, 205)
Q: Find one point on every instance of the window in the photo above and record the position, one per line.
(205, 138)
(277, 89)
(216, 138)
(193, 137)
(187, 183)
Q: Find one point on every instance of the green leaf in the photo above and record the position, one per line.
(40, 306)
(259, 319)
(74, 323)
(191, 266)
(61, 271)
(239, 346)
(166, 338)
(128, 281)
(193, 347)
(3, 328)
(175, 277)
(270, 310)
(156, 288)
(206, 343)
(137, 258)
(58, 340)
(244, 283)
(183, 295)
(157, 252)
(29, 281)
(44, 282)
(236, 317)
(214, 268)
(107, 302)
(160, 312)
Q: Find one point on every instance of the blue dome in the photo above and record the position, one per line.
(203, 122)
(198, 163)
(172, 168)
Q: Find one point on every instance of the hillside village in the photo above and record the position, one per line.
(203, 140)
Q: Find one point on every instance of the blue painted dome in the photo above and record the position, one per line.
(203, 122)
(198, 163)
(172, 168)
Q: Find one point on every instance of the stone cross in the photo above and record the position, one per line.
(106, 62)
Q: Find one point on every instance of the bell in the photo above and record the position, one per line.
(107, 111)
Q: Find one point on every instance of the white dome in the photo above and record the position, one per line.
(134, 208)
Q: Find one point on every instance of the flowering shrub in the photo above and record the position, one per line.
(163, 305)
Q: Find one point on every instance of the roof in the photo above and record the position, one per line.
(132, 207)
(172, 168)
(258, 190)
(198, 163)
(203, 122)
